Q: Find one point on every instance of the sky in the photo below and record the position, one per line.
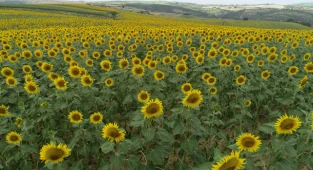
(234, 1)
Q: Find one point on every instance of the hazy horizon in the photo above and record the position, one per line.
(226, 2)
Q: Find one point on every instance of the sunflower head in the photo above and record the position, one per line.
(13, 138)
(143, 96)
(109, 82)
(46, 67)
(86, 80)
(248, 142)
(193, 98)
(186, 88)
(213, 90)
(138, 70)
(230, 162)
(18, 121)
(265, 74)
(31, 87)
(54, 153)
(211, 80)
(96, 118)
(75, 117)
(293, 70)
(7, 72)
(309, 67)
(152, 108)
(27, 69)
(287, 124)
(106, 65)
(241, 80)
(181, 68)
(113, 133)
(60, 83)
(158, 75)
(10, 81)
(205, 76)
(4, 111)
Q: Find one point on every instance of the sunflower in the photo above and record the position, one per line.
(237, 68)
(241, 80)
(4, 111)
(152, 65)
(52, 53)
(96, 118)
(60, 83)
(96, 55)
(223, 61)
(138, 70)
(248, 142)
(54, 153)
(53, 76)
(113, 133)
(86, 80)
(44, 104)
(10, 81)
(250, 59)
(211, 80)
(213, 90)
(136, 61)
(31, 87)
(143, 96)
(265, 74)
(192, 99)
(230, 162)
(28, 78)
(106, 65)
(200, 59)
(46, 67)
(39, 64)
(13, 138)
(7, 72)
(27, 54)
(89, 62)
(260, 63)
(75, 117)
(109, 82)
(212, 53)
(303, 82)
(74, 71)
(205, 76)
(181, 68)
(27, 69)
(247, 103)
(158, 75)
(271, 58)
(309, 67)
(123, 63)
(293, 70)
(107, 53)
(18, 121)
(287, 124)
(306, 56)
(185, 88)
(152, 108)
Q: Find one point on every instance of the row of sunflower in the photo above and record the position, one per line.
(151, 96)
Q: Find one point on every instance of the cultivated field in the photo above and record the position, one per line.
(88, 87)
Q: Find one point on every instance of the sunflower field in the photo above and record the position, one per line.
(146, 92)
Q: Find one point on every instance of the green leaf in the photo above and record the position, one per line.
(179, 128)
(309, 161)
(289, 150)
(267, 128)
(285, 164)
(204, 166)
(190, 146)
(137, 120)
(107, 147)
(156, 156)
(116, 162)
(276, 144)
(217, 154)
(148, 133)
(132, 162)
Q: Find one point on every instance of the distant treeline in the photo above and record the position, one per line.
(299, 22)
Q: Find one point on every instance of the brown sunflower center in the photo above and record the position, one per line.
(14, 138)
(153, 108)
(193, 98)
(211, 80)
(293, 70)
(7, 72)
(181, 68)
(230, 164)
(54, 154)
(47, 67)
(2, 110)
(87, 80)
(32, 88)
(11, 81)
(287, 124)
(265, 74)
(241, 80)
(248, 142)
(143, 96)
(124, 64)
(309, 67)
(159, 75)
(61, 83)
(138, 70)
(76, 117)
(27, 69)
(96, 118)
(113, 132)
(109, 82)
